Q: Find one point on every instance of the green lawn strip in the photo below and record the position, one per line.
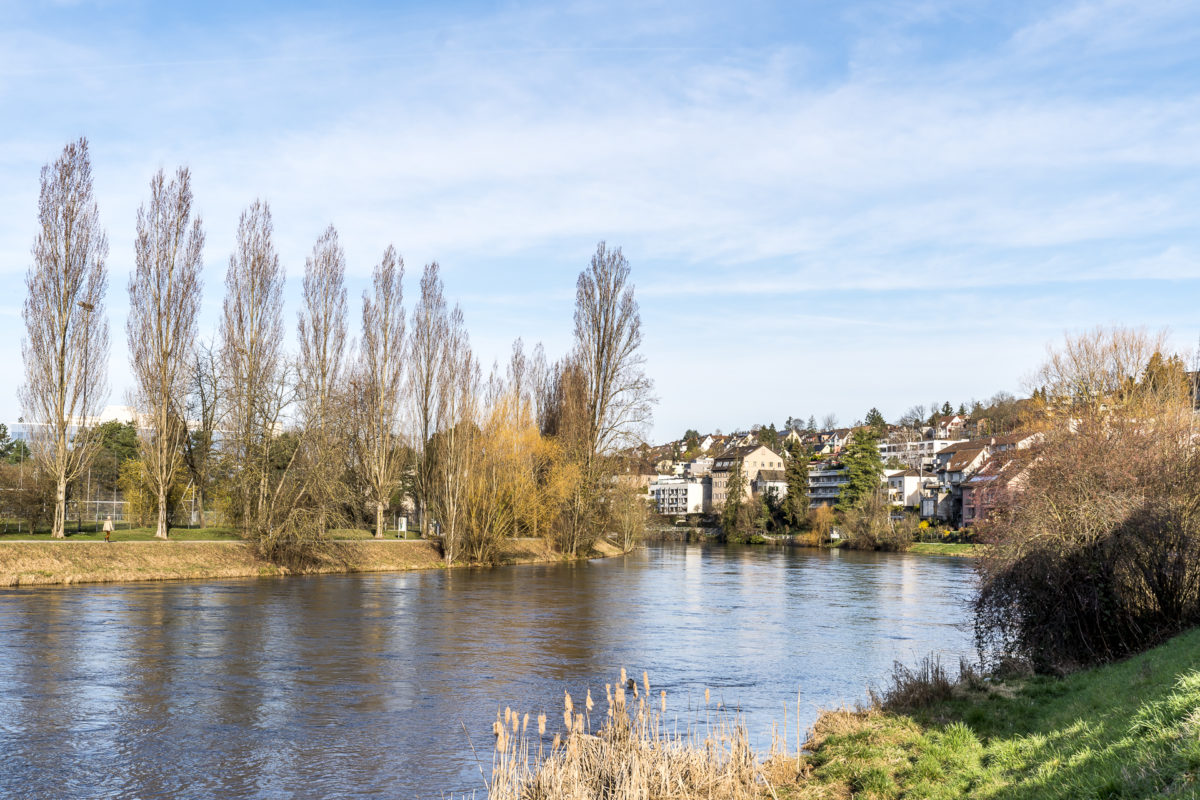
(947, 549)
(1128, 730)
(146, 534)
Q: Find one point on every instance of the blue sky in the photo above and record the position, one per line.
(827, 205)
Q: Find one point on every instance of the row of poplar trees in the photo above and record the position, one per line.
(296, 445)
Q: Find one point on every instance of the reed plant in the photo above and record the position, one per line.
(632, 750)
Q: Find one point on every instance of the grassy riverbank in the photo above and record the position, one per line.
(962, 549)
(29, 563)
(1128, 730)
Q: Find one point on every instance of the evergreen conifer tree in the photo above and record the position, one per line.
(864, 467)
(876, 423)
(735, 491)
(795, 503)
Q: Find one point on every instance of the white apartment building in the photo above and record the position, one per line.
(676, 496)
(917, 454)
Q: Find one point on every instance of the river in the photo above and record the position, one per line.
(340, 686)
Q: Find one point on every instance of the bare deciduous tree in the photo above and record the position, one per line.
(65, 349)
(453, 446)
(322, 335)
(381, 376)
(426, 339)
(608, 338)
(251, 342)
(164, 298)
(203, 413)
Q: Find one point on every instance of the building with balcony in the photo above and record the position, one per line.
(677, 496)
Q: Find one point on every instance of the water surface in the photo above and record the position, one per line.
(360, 685)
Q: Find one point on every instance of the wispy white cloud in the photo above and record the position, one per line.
(735, 171)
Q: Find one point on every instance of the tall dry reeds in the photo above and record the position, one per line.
(635, 752)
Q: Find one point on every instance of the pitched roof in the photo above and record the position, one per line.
(964, 458)
(771, 475)
(740, 453)
(954, 448)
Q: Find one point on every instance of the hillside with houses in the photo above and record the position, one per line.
(945, 469)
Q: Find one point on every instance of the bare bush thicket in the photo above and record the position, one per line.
(1097, 556)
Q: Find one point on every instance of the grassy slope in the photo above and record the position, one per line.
(80, 560)
(1128, 730)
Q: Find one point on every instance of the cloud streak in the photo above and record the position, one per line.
(739, 160)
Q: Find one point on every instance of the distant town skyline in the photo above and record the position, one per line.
(827, 207)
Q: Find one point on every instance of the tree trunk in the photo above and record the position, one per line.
(378, 519)
(200, 505)
(59, 531)
(161, 530)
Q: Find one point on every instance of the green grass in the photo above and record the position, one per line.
(945, 549)
(1128, 730)
(90, 533)
(125, 535)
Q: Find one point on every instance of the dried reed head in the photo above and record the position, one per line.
(541, 724)
(646, 682)
(588, 704)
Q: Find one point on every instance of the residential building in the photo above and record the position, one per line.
(770, 481)
(676, 496)
(954, 466)
(699, 467)
(915, 453)
(753, 458)
(825, 482)
(905, 486)
(980, 493)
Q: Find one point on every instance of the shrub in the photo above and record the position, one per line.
(1096, 555)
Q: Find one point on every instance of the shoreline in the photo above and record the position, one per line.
(57, 563)
(710, 535)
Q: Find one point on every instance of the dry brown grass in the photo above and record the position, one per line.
(47, 563)
(635, 753)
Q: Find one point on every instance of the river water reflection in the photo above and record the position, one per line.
(359, 686)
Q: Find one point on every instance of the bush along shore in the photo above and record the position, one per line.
(34, 563)
(1124, 730)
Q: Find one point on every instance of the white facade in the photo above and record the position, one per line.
(674, 496)
(918, 454)
(905, 487)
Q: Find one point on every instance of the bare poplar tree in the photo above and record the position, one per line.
(251, 341)
(322, 335)
(608, 338)
(426, 338)
(454, 448)
(65, 349)
(322, 327)
(203, 415)
(164, 298)
(381, 383)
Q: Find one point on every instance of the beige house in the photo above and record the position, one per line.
(754, 458)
